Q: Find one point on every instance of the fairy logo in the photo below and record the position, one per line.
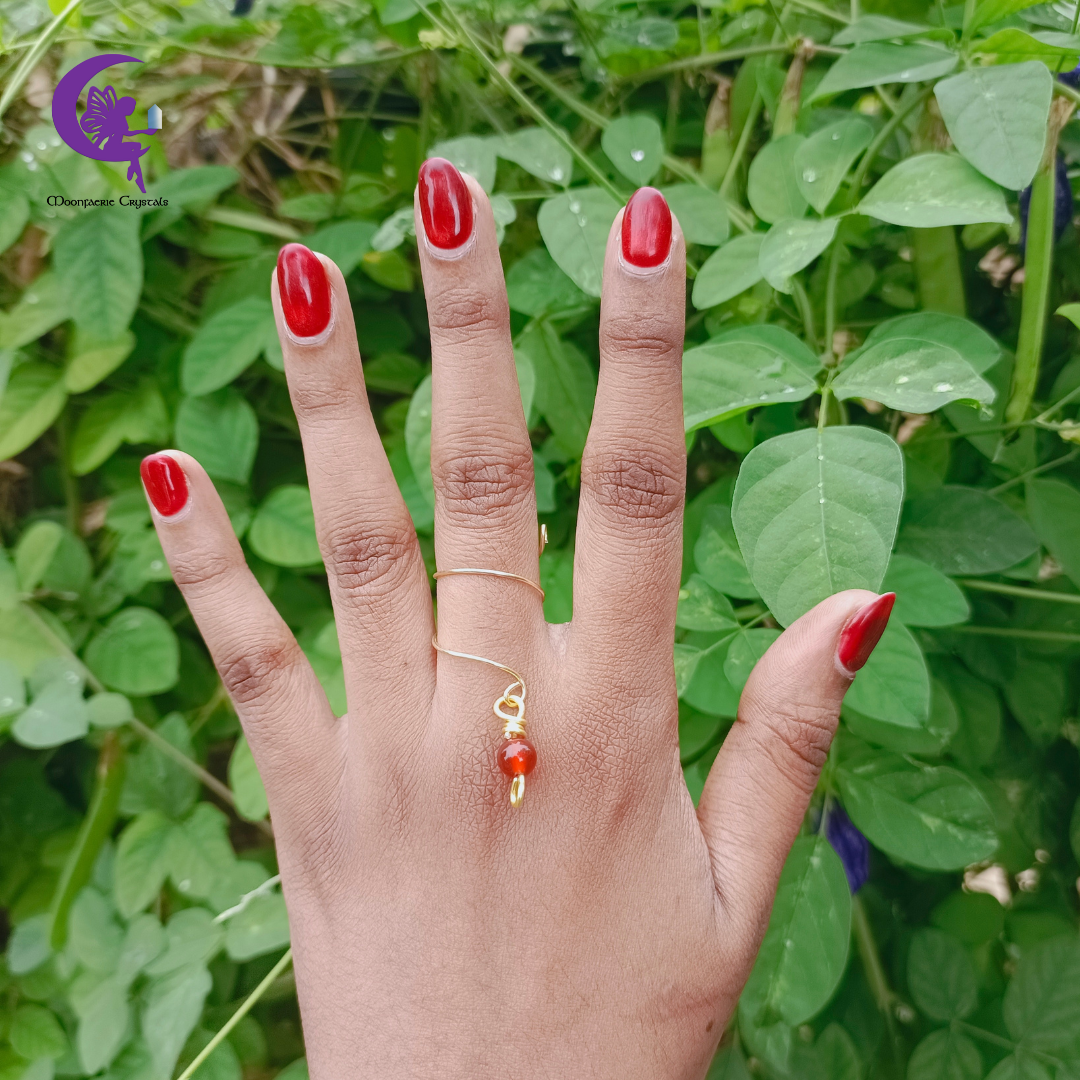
(101, 133)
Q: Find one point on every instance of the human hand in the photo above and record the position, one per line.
(605, 928)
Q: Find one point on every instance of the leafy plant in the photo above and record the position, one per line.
(877, 395)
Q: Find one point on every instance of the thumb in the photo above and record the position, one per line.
(760, 784)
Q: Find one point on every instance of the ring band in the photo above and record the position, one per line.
(489, 573)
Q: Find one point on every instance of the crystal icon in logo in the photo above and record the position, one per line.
(101, 133)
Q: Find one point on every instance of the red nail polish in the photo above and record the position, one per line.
(165, 483)
(304, 290)
(863, 632)
(646, 229)
(445, 204)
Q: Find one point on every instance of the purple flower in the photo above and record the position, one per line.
(850, 844)
(1071, 78)
(1063, 201)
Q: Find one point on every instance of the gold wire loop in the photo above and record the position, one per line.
(489, 573)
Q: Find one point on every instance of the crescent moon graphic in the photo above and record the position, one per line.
(66, 119)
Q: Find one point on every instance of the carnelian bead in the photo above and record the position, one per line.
(517, 757)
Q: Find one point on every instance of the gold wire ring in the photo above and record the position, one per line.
(489, 573)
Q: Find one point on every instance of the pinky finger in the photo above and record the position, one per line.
(282, 707)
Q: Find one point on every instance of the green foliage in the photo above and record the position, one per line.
(847, 375)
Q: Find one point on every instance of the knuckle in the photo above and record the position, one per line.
(369, 563)
(642, 334)
(797, 740)
(460, 311)
(250, 676)
(317, 399)
(473, 485)
(639, 486)
(202, 570)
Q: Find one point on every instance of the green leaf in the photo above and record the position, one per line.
(945, 1055)
(191, 937)
(93, 361)
(36, 1033)
(701, 213)
(924, 596)
(1037, 695)
(575, 227)
(36, 548)
(996, 118)
(701, 607)
(472, 154)
(137, 653)
(929, 816)
(262, 927)
(992, 11)
(565, 384)
(389, 269)
(345, 242)
(941, 976)
(772, 187)
(912, 375)
(1022, 1066)
(930, 740)
(57, 715)
(805, 949)
(535, 286)
(792, 245)
(418, 438)
(103, 1025)
(816, 512)
(283, 532)
(1071, 312)
(822, 162)
(686, 662)
(12, 688)
(746, 649)
(1042, 1002)
(894, 685)
(832, 1057)
(14, 214)
(43, 305)
(1014, 46)
(935, 189)
(635, 146)
(173, 1005)
(29, 946)
(199, 852)
(539, 153)
(142, 861)
(875, 28)
(196, 187)
(729, 271)
(94, 935)
(728, 1064)
(137, 416)
(962, 530)
(969, 339)
(877, 62)
(155, 781)
(737, 371)
(225, 345)
(33, 399)
(718, 558)
(98, 259)
(246, 783)
(221, 432)
(1054, 509)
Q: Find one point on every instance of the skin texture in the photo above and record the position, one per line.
(604, 929)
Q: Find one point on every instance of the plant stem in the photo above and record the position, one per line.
(1038, 262)
(806, 310)
(35, 53)
(1026, 635)
(1037, 471)
(1018, 590)
(688, 63)
(829, 357)
(741, 145)
(873, 967)
(882, 137)
(250, 1002)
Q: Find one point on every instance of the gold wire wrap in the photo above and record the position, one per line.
(489, 573)
(513, 723)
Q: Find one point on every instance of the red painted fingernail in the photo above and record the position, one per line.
(863, 632)
(165, 483)
(646, 229)
(445, 204)
(304, 290)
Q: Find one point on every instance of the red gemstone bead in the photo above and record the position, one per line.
(445, 204)
(517, 757)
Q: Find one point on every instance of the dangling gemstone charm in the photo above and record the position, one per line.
(516, 756)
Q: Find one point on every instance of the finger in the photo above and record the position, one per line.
(481, 456)
(284, 712)
(633, 472)
(760, 784)
(378, 583)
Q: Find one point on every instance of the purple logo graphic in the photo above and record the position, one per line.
(102, 132)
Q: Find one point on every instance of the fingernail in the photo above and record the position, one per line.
(304, 290)
(863, 632)
(646, 229)
(165, 483)
(445, 205)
